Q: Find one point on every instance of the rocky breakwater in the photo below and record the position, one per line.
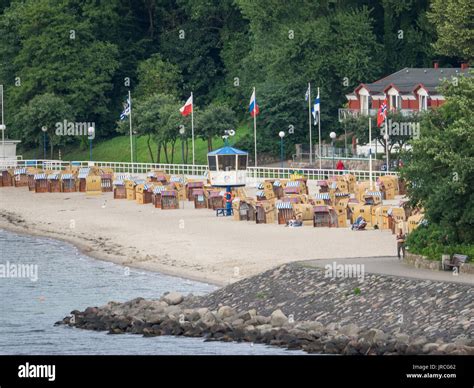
(241, 312)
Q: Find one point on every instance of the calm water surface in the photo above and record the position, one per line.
(69, 280)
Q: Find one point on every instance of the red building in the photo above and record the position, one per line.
(408, 90)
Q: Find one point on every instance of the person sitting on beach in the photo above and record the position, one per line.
(295, 222)
(359, 223)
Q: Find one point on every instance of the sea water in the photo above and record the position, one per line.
(65, 280)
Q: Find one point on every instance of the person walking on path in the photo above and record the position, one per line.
(400, 243)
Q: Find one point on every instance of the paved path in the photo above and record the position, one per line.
(393, 266)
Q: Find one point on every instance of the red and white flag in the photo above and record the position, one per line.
(382, 113)
(187, 108)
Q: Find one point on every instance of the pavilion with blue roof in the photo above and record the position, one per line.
(227, 168)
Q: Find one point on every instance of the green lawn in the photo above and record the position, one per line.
(117, 149)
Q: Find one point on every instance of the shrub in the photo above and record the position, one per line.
(432, 242)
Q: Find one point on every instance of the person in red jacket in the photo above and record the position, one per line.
(340, 165)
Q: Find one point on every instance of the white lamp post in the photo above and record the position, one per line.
(333, 135)
(182, 131)
(387, 138)
(90, 132)
(2, 125)
(44, 128)
(282, 135)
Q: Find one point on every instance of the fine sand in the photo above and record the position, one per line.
(190, 243)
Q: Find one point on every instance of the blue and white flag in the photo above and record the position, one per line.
(316, 108)
(126, 110)
(306, 96)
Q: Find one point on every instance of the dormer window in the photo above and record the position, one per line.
(394, 99)
(422, 99)
(364, 101)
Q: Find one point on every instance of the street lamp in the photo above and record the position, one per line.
(2, 128)
(332, 135)
(387, 138)
(135, 145)
(182, 131)
(44, 129)
(90, 132)
(282, 135)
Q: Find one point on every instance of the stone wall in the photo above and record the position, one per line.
(419, 261)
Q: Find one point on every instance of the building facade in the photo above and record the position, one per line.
(407, 91)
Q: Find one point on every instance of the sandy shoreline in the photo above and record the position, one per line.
(187, 243)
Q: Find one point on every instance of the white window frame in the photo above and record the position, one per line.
(422, 99)
(364, 101)
(394, 99)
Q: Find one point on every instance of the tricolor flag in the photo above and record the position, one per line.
(382, 113)
(253, 106)
(316, 108)
(126, 109)
(187, 108)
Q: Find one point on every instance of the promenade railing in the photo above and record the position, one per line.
(254, 174)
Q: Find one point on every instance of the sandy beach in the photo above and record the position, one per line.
(189, 243)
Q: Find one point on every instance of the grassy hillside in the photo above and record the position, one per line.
(117, 149)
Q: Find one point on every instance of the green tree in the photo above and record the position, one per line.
(454, 23)
(297, 50)
(213, 121)
(156, 75)
(440, 167)
(54, 51)
(157, 117)
(44, 110)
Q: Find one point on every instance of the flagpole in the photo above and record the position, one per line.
(319, 131)
(131, 133)
(386, 143)
(192, 127)
(255, 125)
(370, 153)
(3, 129)
(310, 133)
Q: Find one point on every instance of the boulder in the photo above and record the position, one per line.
(172, 311)
(225, 312)
(430, 347)
(208, 319)
(374, 335)
(310, 326)
(264, 328)
(447, 348)
(258, 320)
(193, 316)
(202, 311)
(333, 326)
(278, 319)
(173, 298)
(350, 330)
(238, 322)
(245, 316)
(402, 338)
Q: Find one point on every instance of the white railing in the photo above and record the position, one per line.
(345, 113)
(123, 167)
(261, 173)
(254, 174)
